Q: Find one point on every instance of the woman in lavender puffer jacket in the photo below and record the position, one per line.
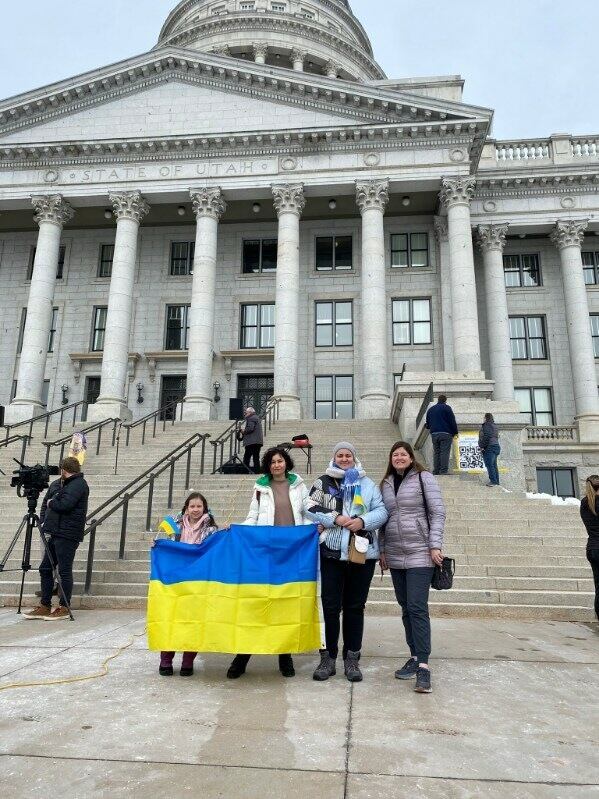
(411, 545)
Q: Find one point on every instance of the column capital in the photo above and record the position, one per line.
(332, 68)
(372, 194)
(441, 229)
(492, 237)
(297, 54)
(569, 234)
(129, 205)
(260, 49)
(289, 198)
(222, 49)
(208, 202)
(52, 208)
(457, 191)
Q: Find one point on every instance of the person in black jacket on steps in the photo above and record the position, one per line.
(589, 513)
(62, 519)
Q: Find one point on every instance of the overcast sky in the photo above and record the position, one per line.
(533, 61)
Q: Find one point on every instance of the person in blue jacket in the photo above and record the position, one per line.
(350, 509)
(441, 423)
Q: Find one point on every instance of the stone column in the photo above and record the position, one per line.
(491, 240)
(372, 198)
(568, 238)
(332, 69)
(51, 213)
(289, 202)
(456, 194)
(208, 205)
(297, 59)
(441, 233)
(129, 209)
(260, 50)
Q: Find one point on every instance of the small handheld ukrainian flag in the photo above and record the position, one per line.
(169, 526)
(358, 502)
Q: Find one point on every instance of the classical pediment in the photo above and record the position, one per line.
(173, 93)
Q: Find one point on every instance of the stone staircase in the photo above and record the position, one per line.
(516, 558)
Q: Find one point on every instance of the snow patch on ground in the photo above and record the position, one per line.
(554, 500)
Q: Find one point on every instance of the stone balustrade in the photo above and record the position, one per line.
(550, 434)
(585, 147)
(532, 150)
(559, 149)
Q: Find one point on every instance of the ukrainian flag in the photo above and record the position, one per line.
(250, 589)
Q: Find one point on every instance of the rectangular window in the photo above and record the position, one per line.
(334, 253)
(412, 321)
(99, 328)
(537, 405)
(595, 333)
(522, 270)
(257, 326)
(106, 258)
(590, 263)
(22, 322)
(334, 324)
(527, 336)
(409, 249)
(248, 6)
(334, 397)
(259, 255)
(177, 327)
(182, 254)
(279, 7)
(52, 334)
(557, 482)
(60, 268)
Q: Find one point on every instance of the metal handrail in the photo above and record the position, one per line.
(227, 438)
(124, 495)
(19, 437)
(428, 398)
(73, 406)
(99, 426)
(402, 373)
(271, 413)
(129, 426)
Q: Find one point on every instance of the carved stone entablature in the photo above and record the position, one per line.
(372, 194)
(569, 234)
(537, 185)
(457, 191)
(129, 205)
(289, 198)
(492, 237)
(441, 229)
(52, 208)
(208, 202)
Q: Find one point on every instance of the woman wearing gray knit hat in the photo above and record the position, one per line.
(350, 508)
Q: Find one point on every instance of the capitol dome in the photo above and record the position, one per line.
(317, 36)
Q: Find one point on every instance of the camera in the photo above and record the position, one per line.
(32, 478)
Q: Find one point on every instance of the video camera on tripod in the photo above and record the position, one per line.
(32, 479)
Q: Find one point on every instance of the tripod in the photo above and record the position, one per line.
(31, 522)
(235, 461)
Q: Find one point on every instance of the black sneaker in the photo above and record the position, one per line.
(326, 668)
(237, 667)
(186, 672)
(286, 666)
(408, 670)
(166, 671)
(423, 681)
(352, 670)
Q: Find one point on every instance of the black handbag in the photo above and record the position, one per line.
(443, 574)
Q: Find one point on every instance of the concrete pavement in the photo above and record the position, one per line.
(514, 713)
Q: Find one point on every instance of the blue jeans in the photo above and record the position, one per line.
(411, 589)
(490, 455)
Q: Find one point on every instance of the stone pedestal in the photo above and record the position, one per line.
(129, 209)
(51, 213)
(375, 402)
(289, 203)
(209, 206)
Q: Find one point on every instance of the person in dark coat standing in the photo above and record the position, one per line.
(589, 513)
(62, 519)
(488, 443)
(252, 440)
(440, 420)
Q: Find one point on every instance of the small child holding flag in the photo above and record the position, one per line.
(192, 526)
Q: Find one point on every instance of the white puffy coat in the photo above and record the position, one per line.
(262, 512)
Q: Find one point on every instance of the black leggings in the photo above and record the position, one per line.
(593, 558)
(344, 587)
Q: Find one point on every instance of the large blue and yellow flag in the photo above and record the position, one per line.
(250, 589)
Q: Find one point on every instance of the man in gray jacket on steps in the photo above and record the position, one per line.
(252, 439)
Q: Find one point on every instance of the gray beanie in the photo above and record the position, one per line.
(345, 445)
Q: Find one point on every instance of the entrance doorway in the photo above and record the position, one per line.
(92, 392)
(173, 389)
(255, 391)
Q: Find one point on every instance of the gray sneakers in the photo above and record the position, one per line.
(352, 670)
(408, 670)
(423, 681)
(326, 668)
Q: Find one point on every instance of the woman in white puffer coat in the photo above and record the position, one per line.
(280, 499)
